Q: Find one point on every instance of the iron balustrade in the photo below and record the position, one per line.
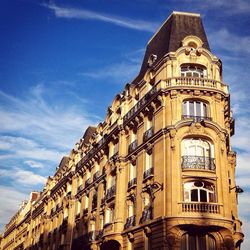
(96, 175)
(147, 214)
(148, 134)
(80, 188)
(198, 162)
(201, 207)
(132, 146)
(110, 192)
(85, 211)
(196, 118)
(149, 172)
(130, 222)
(87, 182)
(132, 182)
(114, 157)
(138, 106)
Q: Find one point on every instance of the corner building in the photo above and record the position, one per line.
(159, 172)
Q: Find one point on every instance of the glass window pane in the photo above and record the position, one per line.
(191, 108)
(203, 196)
(211, 243)
(192, 242)
(204, 110)
(194, 195)
(202, 242)
(184, 242)
(198, 108)
(184, 108)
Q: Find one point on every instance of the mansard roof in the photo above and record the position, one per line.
(88, 133)
(170, 35)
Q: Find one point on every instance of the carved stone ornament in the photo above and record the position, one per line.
(133, 159)
(147, 231)
(196, 128)
(131, 237)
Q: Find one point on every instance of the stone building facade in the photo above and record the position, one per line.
(158, 173)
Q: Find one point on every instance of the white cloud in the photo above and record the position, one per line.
(226, 40)
(23, 177)
(34, 164)
(33, 117)
(91, 15)
(18, 147)
(10, 201)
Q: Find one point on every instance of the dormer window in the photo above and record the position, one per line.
(193, 70)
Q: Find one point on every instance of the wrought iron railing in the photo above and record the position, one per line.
(114, 157)
(200, 207)
(87, 182)
(96, 175)
(147, 214)
(80, 188)
(110, 192)
(139, 104)
(196, 118)
(130, 222)
(198, 162)
(148, 134)
(149, 172)
(132, 146)
(85, 211)
(132, 182)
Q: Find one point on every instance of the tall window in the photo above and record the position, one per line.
(197, 147)
(193, 108)
(132, 171)
(199, 191)
(148, 161)
(197, 242)
(193, 70)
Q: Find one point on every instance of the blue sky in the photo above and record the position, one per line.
(62, 63)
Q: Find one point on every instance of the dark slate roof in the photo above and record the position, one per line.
(88, 133)
(170, 35)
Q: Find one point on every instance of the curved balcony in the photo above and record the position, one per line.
(200, 207)
(197, 82)
(198, 162)
(196, 118)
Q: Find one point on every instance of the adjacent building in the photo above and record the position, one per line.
(158, 172)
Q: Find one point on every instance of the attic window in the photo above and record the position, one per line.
(192, 45)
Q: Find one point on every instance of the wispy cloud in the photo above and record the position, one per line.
(229, 7)
(70, 13)
(230, 42)
(34, 164)
(10, 201)
(24, 177)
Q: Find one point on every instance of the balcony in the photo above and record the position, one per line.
(148, 134)
(77, 216)
(132, 146)
(96, 175)
(114, 157)
(140, 104)
(198, 162)
(110, 192)
(132, 183)
(197, 82)
(200, 207)
(148, 173)
(196, 118)
(130, 222)
(87, 182)
(80, 188)
(147, 214)
(85, 211)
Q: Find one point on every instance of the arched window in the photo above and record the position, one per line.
(197, 153)
(197, 242)
(194, 109)
(199, 191)
(193, 70)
